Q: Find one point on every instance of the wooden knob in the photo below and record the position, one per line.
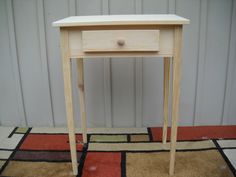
(121, 42)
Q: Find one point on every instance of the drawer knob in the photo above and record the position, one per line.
(121, 42)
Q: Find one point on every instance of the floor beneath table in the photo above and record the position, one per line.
(208, 151)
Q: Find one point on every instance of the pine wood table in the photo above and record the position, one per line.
(121, 36)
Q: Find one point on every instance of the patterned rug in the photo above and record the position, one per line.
(203, 151)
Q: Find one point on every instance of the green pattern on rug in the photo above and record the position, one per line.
(108, 138)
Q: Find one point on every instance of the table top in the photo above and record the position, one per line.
(160, 19)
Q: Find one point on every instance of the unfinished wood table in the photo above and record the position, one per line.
(121, 36)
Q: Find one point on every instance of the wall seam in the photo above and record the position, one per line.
(228, 85)
(201, 58)
(48, 70)
(43, 53)
(107, 77)
(138, 78)
(197, 69)
(15, 55)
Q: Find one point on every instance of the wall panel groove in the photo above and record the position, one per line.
(107, 77)
(171, 6)
(15, 63)
(32, 66)
(227, 63)
(52, 13)
(189, 58)
(218, 26)
(43, 54)
(94, 75)
(199, 41)
(122, 76)
(138, 78)
(230, 96)
(153, 74)
(201, 59)
(12, 105)
(72, 7)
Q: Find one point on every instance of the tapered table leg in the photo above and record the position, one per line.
(166, 91)
(66, 64)
(175, 94)
(80, 67)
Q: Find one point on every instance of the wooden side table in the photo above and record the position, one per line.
(121, 36)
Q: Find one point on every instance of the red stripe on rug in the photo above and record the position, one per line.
(102, 164)
(197, 132)
(48, 142)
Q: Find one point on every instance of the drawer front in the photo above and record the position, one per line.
(120, 40)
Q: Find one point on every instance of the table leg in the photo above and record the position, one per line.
(175, 94)
(66, 64)
(166, 91)
(80, 67)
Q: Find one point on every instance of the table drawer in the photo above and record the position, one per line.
(120, 40)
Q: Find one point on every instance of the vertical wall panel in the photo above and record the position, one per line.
(11, 105)
(191, 10)
(94, 92)
(231, 118)
(155, 6)
(171, 6)
(123, 92)
(201, 58)
(122, 7)
(230, 94)
(153, 75)
(36, 93)
(85, 7)
(152, 91)
(217, 40)
(122, 72)
(138, 67)
(53, 13)
(107, 77)
(94, 73)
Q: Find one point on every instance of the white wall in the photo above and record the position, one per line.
(119, 92)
